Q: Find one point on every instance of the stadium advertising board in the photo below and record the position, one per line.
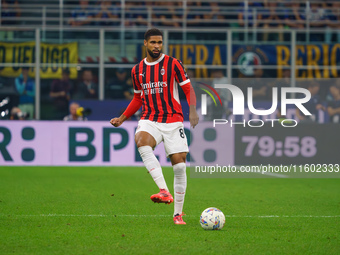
(96, 143)
(245, 57)
(53, 54)
(315, 55)
(70, 143)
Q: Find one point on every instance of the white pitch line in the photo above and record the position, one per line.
(283, 216)
(140, 215)
(266, 173)
(274, 175)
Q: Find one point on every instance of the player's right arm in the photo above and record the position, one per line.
(118, 121)
(134, 105)
(132, 108)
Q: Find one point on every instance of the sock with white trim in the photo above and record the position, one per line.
(180, 186)
(152, 165)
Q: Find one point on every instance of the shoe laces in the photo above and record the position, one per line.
(164, 191)
(179, 215)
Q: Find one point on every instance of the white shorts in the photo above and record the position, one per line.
(171, 134)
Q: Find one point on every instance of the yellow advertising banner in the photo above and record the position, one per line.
(312, 60)
(57, 56)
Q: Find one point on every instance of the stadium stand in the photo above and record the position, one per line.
(221, 14)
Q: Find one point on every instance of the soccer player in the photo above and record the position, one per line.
(156, 79)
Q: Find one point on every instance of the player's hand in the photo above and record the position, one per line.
(193, 116)
(116, 122)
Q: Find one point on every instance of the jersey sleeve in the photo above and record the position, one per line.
(136, 102)
(180, 73)
(189, 94)
(136, 85)
(134, 106)
(184, 82)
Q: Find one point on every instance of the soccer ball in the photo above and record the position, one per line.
(212, 219)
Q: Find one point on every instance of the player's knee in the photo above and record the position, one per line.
(144, 151)
(140, 142)
(180, 169)
(178, 158)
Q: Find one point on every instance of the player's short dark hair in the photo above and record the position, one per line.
(151, 32)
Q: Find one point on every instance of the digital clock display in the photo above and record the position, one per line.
(303, 144)
(291, 146)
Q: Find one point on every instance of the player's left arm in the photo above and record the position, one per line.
(184, 82)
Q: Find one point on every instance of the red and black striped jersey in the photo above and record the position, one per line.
(158, 84)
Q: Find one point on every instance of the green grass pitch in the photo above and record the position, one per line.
(107, 210)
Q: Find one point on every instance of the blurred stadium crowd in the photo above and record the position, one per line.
(214, 14)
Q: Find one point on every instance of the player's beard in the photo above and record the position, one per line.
(154, 55)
